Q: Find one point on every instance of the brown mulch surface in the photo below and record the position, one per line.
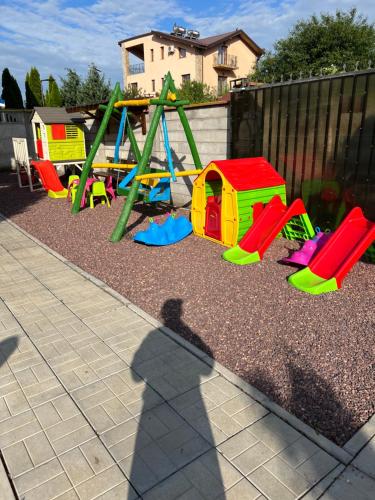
(314, 355)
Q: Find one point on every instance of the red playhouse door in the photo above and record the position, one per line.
(39, 148)
(213, 217)
(39, 145)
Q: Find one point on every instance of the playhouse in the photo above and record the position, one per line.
(229, 194)
(58, 135)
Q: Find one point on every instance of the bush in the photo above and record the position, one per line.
(196, 92)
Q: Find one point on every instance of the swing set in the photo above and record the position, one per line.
(142, 182)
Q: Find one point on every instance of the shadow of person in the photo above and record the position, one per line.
(7, 347)
(173, 432)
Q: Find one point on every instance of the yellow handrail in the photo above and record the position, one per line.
(125, 166)
(132, 102)
(162, 175)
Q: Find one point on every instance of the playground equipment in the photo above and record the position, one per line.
(25, 176)
(167, 98)
(58, 135)
(171, 231)
(228, 195)
(303, 256)
(328, 268)
(98, 190)
(152, 189)
(49, 179)
(264, 230)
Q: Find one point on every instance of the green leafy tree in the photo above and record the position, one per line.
(71, 88)
(196, 92)
(33, 87)
(11, 92)
(95, 88)
(133, 93)
(53, 97)
(318, 45)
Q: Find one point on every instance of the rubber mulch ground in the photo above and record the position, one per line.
(314, 355)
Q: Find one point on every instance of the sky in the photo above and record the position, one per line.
(57, 34)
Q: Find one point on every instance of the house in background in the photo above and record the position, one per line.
(214, 60)
(58, 135)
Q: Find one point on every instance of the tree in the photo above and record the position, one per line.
(11, 92)
(53, 97)
(320, 45)
(94, 89)
(196, 92)
(71, 88)
(132, 93)
(33, 87)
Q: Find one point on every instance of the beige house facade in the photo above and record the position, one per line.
(214, 60)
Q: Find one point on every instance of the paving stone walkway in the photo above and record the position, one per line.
(96, 402)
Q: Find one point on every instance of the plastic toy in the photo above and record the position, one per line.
(98, 191)
(328, 268)
(49, 179)
(229, 194)
(58, 136)
(303, 256)
(264, 230)
(172, 231)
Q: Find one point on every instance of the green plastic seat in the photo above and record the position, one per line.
(98, 191)
(73, 182)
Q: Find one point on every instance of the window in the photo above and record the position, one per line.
(153, 85)
(161, 52)
(71, 132)
(152, 55)
(135, 87)
(58, 132)
(222, 55)
(182, 52)
(185, 78)
(221, 85)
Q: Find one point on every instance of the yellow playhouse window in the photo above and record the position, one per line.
(71, 132)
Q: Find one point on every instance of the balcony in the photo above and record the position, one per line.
(225, 61)
(134, 69)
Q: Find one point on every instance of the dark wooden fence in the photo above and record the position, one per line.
(320, 136)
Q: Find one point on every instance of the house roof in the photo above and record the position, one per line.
(57, 115)
(249, 173)
(203, 43)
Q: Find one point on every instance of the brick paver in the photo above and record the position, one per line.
(96, 402)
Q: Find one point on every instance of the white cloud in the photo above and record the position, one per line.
(55, 34)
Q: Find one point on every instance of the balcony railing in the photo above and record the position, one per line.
(134, 69)
(225, 61)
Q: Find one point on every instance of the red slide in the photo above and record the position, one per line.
(266, 227)
(329, 267)
(49, 179)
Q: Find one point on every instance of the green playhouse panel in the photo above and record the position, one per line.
(70, 148)
(246, 199)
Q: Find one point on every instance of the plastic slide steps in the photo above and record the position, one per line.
(266, 227)
(328, 268)
(49, 179)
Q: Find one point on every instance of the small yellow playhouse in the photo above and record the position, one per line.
(58, 136)
(228, 195)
